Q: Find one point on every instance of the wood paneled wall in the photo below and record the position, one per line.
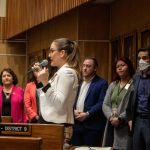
(129, 19)
(41, 36)
(88, 25)
(129, 15)
(2, 28)
(100, 51)
(13, 55)
(92, 25)
(93, 35)
(25, 14)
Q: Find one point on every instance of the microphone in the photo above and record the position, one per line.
(44, 63)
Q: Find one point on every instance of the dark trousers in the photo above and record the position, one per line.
(129, 143)
(86, 137)
(141, 135)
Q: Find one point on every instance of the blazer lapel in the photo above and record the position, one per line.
(91, 87)
(53, 77)
(136, 88)
(123, 103)
(88, 92)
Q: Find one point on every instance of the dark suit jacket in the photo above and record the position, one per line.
(93, 104)
(132, 105)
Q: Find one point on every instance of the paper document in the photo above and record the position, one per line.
(93, 148)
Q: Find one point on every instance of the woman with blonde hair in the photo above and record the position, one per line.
(57, 96)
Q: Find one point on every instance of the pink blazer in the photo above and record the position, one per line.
(30, 100)
(17, 105)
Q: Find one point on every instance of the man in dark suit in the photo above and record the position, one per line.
(138, 110)
(89, 119)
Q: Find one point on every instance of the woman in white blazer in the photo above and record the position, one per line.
(57, 96)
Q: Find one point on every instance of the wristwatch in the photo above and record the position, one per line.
(87, 113)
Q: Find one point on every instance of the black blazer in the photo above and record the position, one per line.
(132, 105)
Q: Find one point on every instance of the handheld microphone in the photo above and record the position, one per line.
(44, 63)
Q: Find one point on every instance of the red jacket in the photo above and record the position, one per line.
(30, 100)
(17, 105)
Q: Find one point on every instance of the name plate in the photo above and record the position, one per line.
(14, 129)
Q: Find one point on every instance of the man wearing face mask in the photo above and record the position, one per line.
(138, 109)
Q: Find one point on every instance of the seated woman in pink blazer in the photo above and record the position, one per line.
(11, 97)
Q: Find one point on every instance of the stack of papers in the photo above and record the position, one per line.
(93, 148)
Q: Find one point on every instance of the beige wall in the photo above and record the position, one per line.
(2, 8)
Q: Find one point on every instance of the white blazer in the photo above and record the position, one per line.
(56, 105)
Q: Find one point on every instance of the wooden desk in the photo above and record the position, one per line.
(17, 143)
(6, 119)
(41, 137)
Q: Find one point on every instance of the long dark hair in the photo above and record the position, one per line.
(31, 77)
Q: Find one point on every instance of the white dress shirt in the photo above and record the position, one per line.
(82, 95)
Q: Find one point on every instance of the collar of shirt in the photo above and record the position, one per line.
(59, 70)
(88, 80)
(64, 66)
(147, 75)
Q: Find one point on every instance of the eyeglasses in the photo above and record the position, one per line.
(52, 50)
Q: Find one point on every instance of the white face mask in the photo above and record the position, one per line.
(143, 65)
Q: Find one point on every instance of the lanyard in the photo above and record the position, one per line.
(126, 86)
